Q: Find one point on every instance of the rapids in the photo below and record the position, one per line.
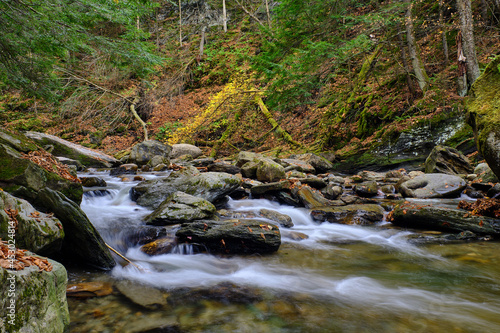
(342, 278)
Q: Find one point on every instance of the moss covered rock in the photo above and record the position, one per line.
(17, 141)
(37, 232)
(361, 214)
(36, 298)
(484, 114)
(143, 152)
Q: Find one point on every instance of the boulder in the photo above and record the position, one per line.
(210, 186)
(125, 169)
(232, 236)
(413, 215)
(37, 232)
(93, 182)
(143, 152)
(484, 174)
(82, 243)
(223, 167)
(361, 214)
(484, 114)
(63, 148)
(38, 299)
(447, 160)
(312, 198)
(366, 189)
(249, 169)
(180, 149)
(433, 185)
(17, 141)
(269, 171)
(332, 191)
(24, 178)
(245, 157)
(142, 295)
(181, 208)
(297, 165)
(319, 163)
(259, 188)
(159, 246)
(282, 219)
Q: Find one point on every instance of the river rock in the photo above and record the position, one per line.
(232, 236)
(447, 160)
(413, 215)
(210, 186)
(494, 192)
(484, 174)
(82, 243)
(17, 141)
(319, 163)
(312, 198)
(282, 219)
(37, 232)
(223, 167)
(360, 214)
(260, 188)
(93, 182)
(180, 149)
(89, 289)
(484, 114)
(39, 299)
(366, 189)
(372, 176)
(143, 152)
(88, 157)
(181, 208)
(142, 295)
(269, 171)
(433, 185)
(297, 165)
(159, 246)
(332, 191)
(124, 169)
(24, 178)
(245, 157)
(249, 169)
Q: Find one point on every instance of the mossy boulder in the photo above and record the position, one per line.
(39, 300)
(37, 232)
(17, 141)
(181, 208)
(319, 163)
(447, 160)
(63, 148)
(232, 236)
(82, 243)
(24, 178)
(360, 214)
(180, 149)
(484, 114)
(269, 171)
(210, 186)
(143, 152)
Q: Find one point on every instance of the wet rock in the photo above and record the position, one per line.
(89, 289)
(319, 163)
(185, 149)
(224, 167)
(332, 191)
(372, 176)
(297, 165)
(124, 169)
(433, 185)
(484, 174)
(202, 162)
(24, 178)
(93, 182)
(295, 174)
(366, 189)
(143, 152)
(245, 157)
(473, 193)
(181, 208)
(158, 160)
(447, 160)
(17, 141)
(310, 197)
(484, 115)
(82, 243)
(411, 215)
(366, 214)
(159, 246)
(142, 295)
(210, 186)
(337, 180)
(270, 187)
(294, 235)
(249, 169)
(282, 219)
(313, 181)
(388, 189)
(39, 299)
(232, 236)
(88, 157)
(226, 293)
(37, 232)
(71, 163)
(494, 192)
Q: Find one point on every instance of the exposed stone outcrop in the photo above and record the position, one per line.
(447, 160)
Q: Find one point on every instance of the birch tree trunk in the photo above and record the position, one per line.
(180, 23)
(443, 32)
(418, 67)
(405, 66)
(469, 45)
(224, 15)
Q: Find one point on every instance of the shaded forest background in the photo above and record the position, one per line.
(338, 76)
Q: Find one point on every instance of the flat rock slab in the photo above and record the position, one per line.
(86, 156)
(412, 215)
(145, 296)
(232, 236)
(433, 185)
(352, 214)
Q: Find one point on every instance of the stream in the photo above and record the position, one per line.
(342, 278)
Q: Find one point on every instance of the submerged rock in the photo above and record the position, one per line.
(37, 299)
(89, 289)
(282, 219)
(142, 295)
(433, 185)
(232, 236)
(352, 214)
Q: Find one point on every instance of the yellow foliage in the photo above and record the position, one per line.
(234, 94)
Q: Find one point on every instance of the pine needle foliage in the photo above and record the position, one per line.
(36, 35)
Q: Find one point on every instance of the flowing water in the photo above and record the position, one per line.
(342, 278)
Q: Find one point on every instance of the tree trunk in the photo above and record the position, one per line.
(462, 67)
(202, 41)
(268, 14)
(413, 49)
(224, 15)
(180, 23)
(469, 46)
(443, 32)
(405, 66)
